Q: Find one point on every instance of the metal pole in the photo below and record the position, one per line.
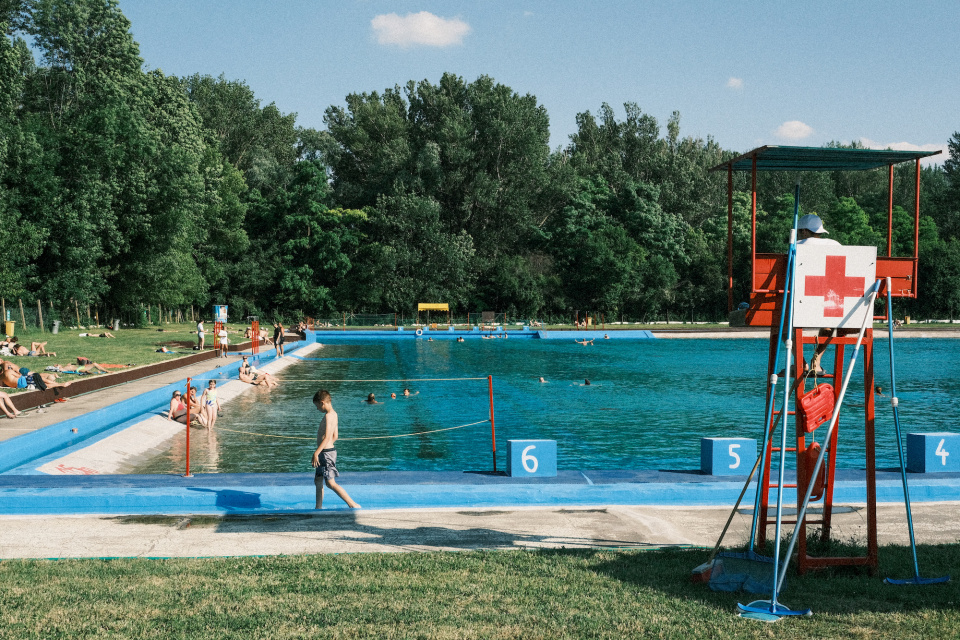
(889, 214)
(188, 474)
(493, 428)
(753, 225)
(730, 238)
(916, 233)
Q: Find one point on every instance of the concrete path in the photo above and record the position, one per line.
(427, 530)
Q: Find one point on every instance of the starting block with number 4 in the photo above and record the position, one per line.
(532, 458)
(933, 452)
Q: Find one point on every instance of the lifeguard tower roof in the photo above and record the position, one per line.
(767, 270)
(779, 158)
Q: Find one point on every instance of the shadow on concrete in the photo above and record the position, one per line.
(230, 499)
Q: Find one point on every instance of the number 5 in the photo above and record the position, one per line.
(525, 456)
(733, 454)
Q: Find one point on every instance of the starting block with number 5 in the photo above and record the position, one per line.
(933, 452)
(727, 456)
(532, 458)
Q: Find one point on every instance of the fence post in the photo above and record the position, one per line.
(23, 319)
(493, 428)
(40, 314)
(187, 474)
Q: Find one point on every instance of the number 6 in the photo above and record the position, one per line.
(525, 456)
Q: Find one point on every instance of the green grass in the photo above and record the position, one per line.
(475, 594)
(131, 346)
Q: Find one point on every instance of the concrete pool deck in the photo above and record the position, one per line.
(454, 529)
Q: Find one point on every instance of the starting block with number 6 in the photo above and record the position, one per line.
(532, 458)
(727, 456)
(933, 452)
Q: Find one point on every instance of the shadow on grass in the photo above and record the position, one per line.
(839, 590)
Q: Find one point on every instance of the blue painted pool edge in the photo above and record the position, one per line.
(234, 495)
(522, 334)
(59, 438)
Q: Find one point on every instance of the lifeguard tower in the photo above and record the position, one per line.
(768, 274)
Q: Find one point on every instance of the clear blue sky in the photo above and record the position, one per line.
(747, 73)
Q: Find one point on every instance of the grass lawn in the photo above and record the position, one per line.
(475, 594)
(131, 346)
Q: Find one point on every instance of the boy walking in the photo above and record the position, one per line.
(325, 457)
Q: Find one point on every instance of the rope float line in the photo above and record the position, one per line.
(402, 435)
(222, 379)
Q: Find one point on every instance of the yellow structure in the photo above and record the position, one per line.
(433, 306)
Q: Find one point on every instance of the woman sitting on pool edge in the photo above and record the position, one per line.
(178, 410)
(250, 375)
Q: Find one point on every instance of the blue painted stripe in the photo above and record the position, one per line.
(209, 497)
(56, 439)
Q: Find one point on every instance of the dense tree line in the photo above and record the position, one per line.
(121, 187)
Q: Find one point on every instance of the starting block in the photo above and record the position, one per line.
(727, 456)
(532, 458)
(933, 452)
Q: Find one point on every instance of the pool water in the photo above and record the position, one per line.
(648, 404)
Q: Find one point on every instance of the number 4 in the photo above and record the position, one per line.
(941, 452)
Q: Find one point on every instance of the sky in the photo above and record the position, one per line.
(886, 73)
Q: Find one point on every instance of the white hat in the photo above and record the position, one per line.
(811, 222)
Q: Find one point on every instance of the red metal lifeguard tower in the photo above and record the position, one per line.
(768, 275)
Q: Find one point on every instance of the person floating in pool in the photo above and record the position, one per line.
(584, 342)
(880, 391)
(371, 399)
(586, 383)
(459, 338)
(606, 337)
(325, 456)
(406, 392)
(393, 396)
(542, 380)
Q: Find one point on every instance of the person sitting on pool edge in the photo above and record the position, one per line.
(249, 374)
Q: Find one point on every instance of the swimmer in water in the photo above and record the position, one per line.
(880, 391)
(393, 396)
(406, 392)
(541, 379)
(584, 342)
(371, 399)
(586, 383)
(606, 337)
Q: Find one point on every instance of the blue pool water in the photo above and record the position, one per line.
(649, 404)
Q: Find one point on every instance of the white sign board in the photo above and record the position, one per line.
(831, 283)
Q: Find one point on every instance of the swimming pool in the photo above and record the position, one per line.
(648, 405)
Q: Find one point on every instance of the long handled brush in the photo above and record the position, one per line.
(894, 402)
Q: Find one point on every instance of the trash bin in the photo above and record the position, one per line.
(8, 327)
(906, 320)
(56, 326)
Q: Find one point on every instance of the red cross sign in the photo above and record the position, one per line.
(831, 282)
